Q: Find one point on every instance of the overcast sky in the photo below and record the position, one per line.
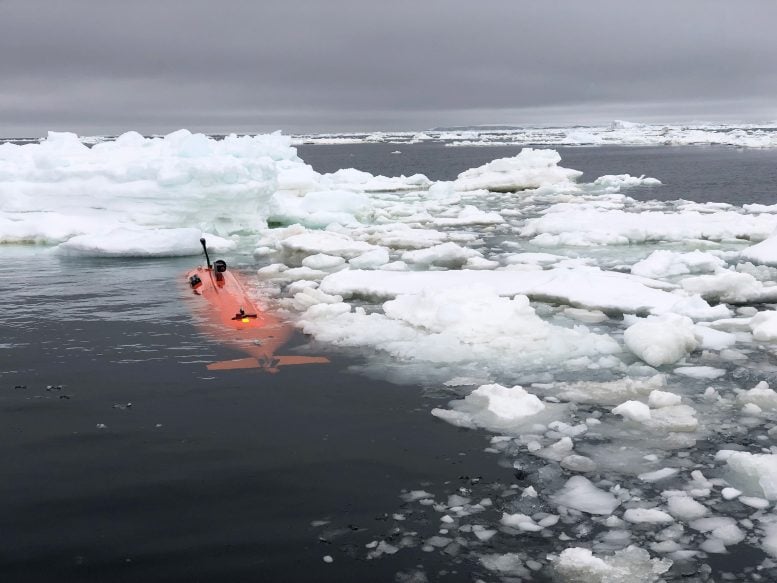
(106, 66)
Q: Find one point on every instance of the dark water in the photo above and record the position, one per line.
(204, 477)
(698, 173)
(217, 477)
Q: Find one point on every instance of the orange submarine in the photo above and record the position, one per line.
(233, 318)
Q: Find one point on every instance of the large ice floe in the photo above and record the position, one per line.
(615, 133)
(616, 354)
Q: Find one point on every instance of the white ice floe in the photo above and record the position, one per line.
(580, 494)
(562, 225)
(618, 132)
(610, 392)
(660, 340)
(590, 288)
(457, 325)
(730, 286)
(764, 326)
(125, 242)
(493, 407)
(662, 264)
(753, 473)
(529, 169)
(700, 372)
(60, 188)
(630, 565)
(319, 209)
(647, 515)
(764, 252)
(760, 395)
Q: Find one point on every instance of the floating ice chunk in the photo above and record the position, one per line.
(580, 494)
(520, 522)
(712, 339)
(634, 411)
(661, 264)
(578, 463)
(327, 242)
(723, 531)
(678, 418)
(561, 225)
(319, 209)
(556, 451)
(180, 180)
(730, 286)
(124, 242)
(700, 372)
(658, 399)
(753, 473)
(321, 261)
(730, 493)
(587, 287)
(357, 180)
(509, 564)
(610, 392)
(457, 326)
(685, 508)
(494, 407)
(760, 395)
(661, 339)
(414, 495)
(630, 565)
(615, 182)
(470, 215)
(764, 326)
(586, 316)
(657, 475)
(769, 541)
(754, 502)
(310, 296)
(370, 260)
(764, 252)
(529, 169)
(445, 255)
(647, 515)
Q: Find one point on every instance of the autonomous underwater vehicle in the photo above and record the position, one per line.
(233, 318)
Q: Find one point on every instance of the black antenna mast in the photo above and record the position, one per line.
(204, 248)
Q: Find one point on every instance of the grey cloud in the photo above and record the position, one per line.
(308, 65)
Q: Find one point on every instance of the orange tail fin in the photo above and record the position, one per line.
(271, 364)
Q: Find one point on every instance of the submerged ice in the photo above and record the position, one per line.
(595, 339)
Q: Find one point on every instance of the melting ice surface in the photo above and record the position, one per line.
(616, 353)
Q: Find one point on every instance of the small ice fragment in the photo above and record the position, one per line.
(580, 494)
(730, 493)
(634, 411)
(686, 508)
(700, 372)
(578, 463)
(754, 502)
(649, 515)
(484, 535)
(658, 399)
(328, 559)
(658, 474)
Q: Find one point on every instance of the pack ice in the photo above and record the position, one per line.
(594, 339)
